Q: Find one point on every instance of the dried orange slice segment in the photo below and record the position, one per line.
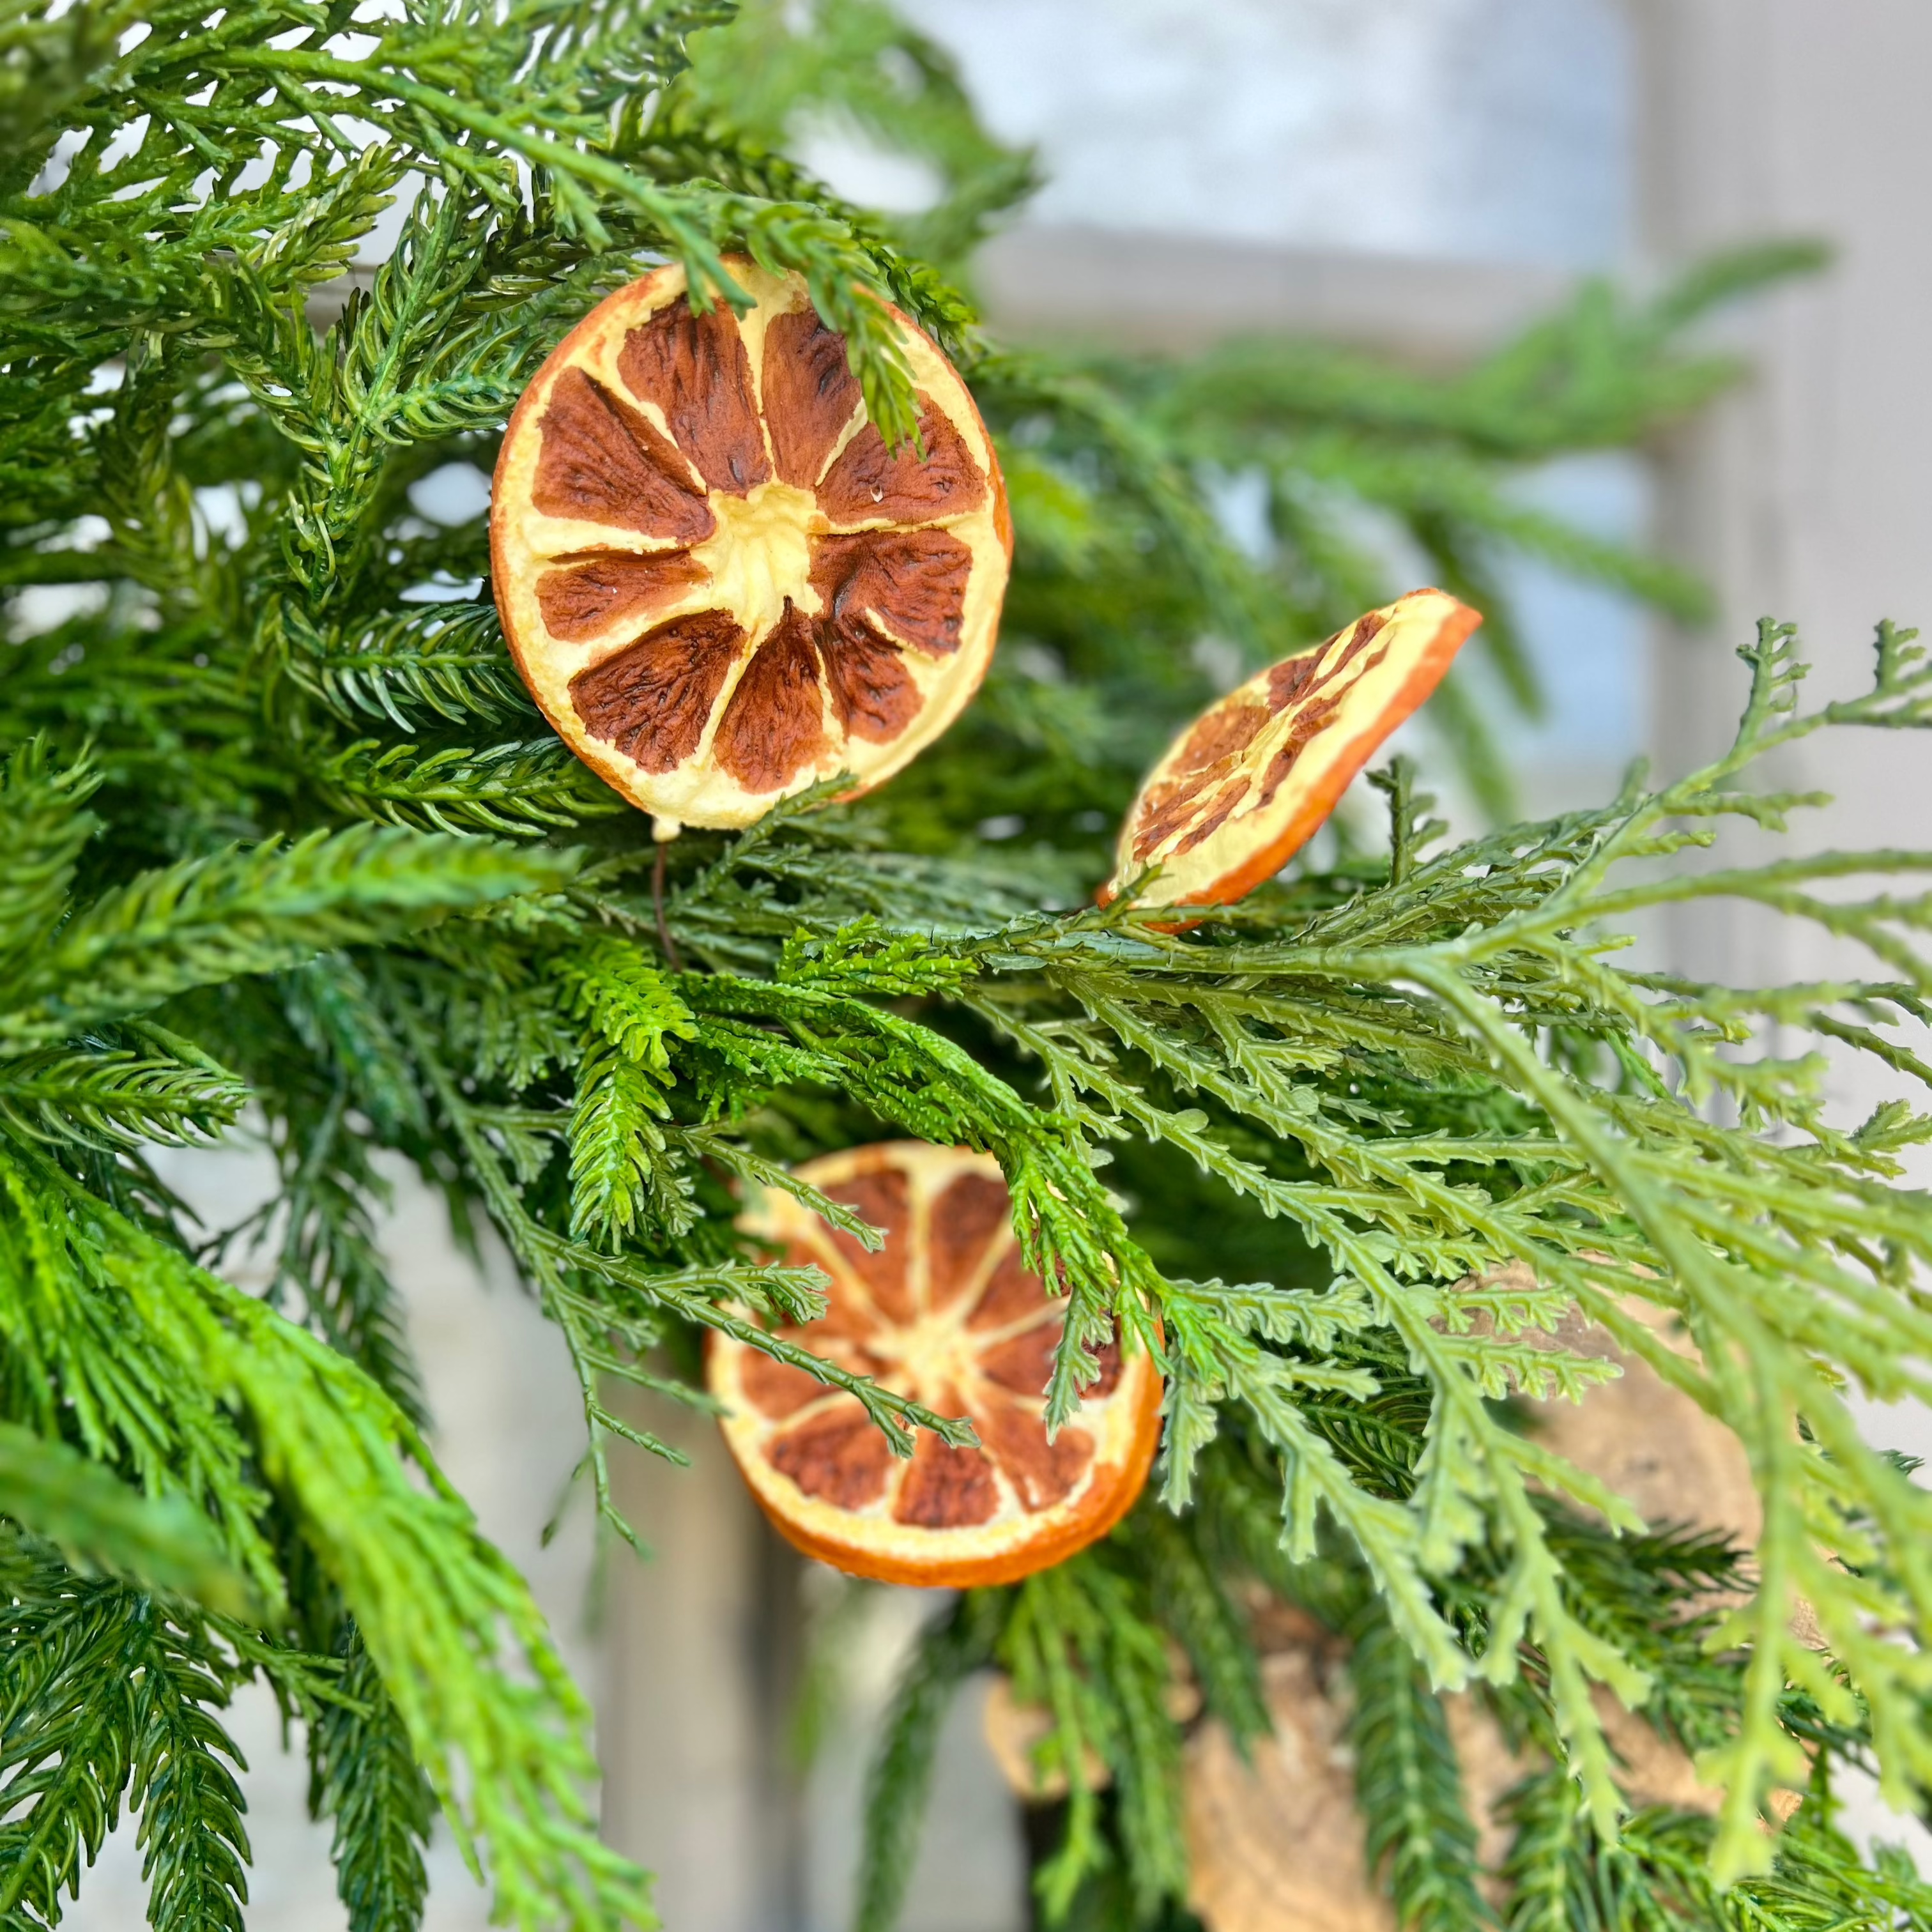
(719, 584)
(948, 1313)
(1251, 780)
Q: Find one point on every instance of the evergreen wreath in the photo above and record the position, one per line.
(283, 834)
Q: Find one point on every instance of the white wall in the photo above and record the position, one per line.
(1488, 129)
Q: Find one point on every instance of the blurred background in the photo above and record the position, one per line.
(1422, 178)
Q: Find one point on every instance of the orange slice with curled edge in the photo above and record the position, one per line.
(719, 584)
(948, 1313)
(1248, 783)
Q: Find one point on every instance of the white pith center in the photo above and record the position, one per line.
(929, 1356)
(760, 553)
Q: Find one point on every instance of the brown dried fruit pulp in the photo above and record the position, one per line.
(719, 584)
(947, 1312)
(1247, 785)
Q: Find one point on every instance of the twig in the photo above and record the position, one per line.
(664, 939)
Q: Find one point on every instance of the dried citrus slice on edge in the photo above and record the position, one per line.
(1252, 779)
(947, 1313)
(719, 584)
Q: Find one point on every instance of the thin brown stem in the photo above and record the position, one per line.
(664, 939)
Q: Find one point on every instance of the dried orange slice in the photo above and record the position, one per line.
(948, 1313)
(719, 584)
(1247, 785)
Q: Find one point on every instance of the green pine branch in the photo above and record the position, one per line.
(364, 1777)
(442, 1615)
(256, 910)
(112, 1698)
(1409, 1788)
(97, 1522)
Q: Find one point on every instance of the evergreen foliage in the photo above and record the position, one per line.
(284, 832)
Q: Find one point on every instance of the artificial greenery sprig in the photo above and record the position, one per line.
(1488, 969)
(290, 854)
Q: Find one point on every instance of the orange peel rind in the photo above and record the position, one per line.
(948, 1313)
(1248, 783)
